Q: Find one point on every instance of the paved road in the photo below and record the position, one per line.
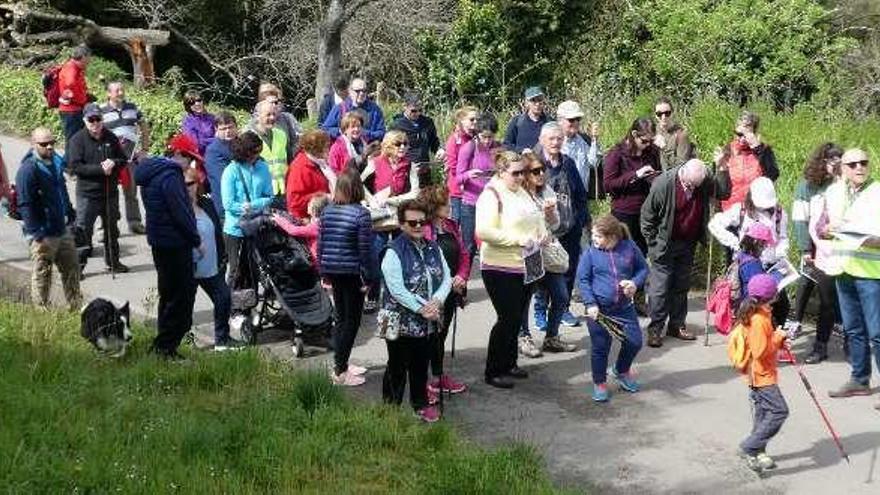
(678, 435)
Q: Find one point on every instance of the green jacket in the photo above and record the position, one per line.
(658, 210)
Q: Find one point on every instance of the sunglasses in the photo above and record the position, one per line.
(197, 100)
(401, 143)
(517, 173)
(416, 223)
(46, 144)
(537, 171)
(863, 163)
(191, 183)
(94, 119)
(644, 139)
(667, 113)
(738, 134)
(364, 90)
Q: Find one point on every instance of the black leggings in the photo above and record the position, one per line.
(829, 311)
(438, 338)
(509, 296)
(349, 301)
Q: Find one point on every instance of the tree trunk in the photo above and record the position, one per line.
(329, 49)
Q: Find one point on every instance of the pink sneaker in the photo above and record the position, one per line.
(450, 386)
(356, 370)
(429, 414)
(433, 397)
(348, 379)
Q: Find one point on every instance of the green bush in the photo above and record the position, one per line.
(22, 106)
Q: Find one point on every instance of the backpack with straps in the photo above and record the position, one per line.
(738, 350)
(51, 86)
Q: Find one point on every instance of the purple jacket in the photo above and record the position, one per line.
(199, 126)
(471, 157)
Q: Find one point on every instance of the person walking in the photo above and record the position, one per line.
(672, 138)
(73, 91)
(358, 100)
(125, 120)
(198, 123)
(345, 261)
(507, 221)
(416, 282)
(524, 130)
(463, 132)
(172, 233)
(46, 215)
(763, 342)
(849, 204)
(673, 219)
(96, 158)
(419, 128)
(218, 155)
(609, 274)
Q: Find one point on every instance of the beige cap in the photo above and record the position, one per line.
(854, 155)
(569, 110)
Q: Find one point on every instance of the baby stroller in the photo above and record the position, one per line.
(287, 288)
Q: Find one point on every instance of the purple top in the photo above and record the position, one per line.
(199, 126)
(473, 157)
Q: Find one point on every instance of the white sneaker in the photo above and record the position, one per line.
(528, 348)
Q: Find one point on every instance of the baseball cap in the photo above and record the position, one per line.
(854, 155)
(762, 287)
(569, 110)
(763, 193)
(91, 110)
(533, 92)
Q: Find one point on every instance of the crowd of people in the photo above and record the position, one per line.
(390, 235)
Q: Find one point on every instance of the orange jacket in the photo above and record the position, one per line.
(72, 86)
(764, 342)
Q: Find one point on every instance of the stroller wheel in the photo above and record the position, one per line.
(299, 348)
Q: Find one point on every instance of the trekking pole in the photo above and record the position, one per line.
(822, 412)
(108, 230)
(708, 287)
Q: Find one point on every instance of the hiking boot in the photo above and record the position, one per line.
(555, 344)
(137, 228)
(229, 344)
(447, 384)
(370, 306)
(118, 267)
(765, 461)
(680, 333)
(819, 354)
(428, 414)
(347, 379)
(600, 393)
(792, 329)
(655, 340)
(527, 347)
(569, 320)
(850, 389)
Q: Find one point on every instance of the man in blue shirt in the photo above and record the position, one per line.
(524, 129)
(46, 212)
(374, 121)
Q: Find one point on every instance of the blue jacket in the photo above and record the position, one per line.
(600, 272)
(374, 127)
(344, 242)
(580, 212)
(171, 222)
(217, 157)
(232, 190)
(523, 132)
(42, 197)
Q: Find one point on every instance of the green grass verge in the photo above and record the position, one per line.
(74, 422)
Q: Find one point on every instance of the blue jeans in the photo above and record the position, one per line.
(468, 226)
(601, 342)
(380, 240)
(770, 411)
(860, 308)
(455, 209)
(554, 285)
(571, 242)
(218, 291)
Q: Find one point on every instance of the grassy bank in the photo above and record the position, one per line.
(73, 422)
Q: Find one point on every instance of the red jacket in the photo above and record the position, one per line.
(304, 180)
(72, 86)
(463, 269)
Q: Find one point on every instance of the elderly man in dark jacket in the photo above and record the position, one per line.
(419, 128)
(172, 235)
(673, 220)
(46, 211)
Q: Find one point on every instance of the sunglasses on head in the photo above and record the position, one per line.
(416, 223)
(863, 163)
(537, 171)
(46, 144)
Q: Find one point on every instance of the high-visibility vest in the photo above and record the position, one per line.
(275, 156)
(858, 210)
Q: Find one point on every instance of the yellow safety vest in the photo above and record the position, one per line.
(848, 208)
(275, 156)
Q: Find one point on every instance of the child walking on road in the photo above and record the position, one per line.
(753, 346)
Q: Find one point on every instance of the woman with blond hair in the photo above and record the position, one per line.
(465, 125)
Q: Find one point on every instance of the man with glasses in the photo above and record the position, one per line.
(358, 100)
(855, 229)
(524, 130)
(419, 129)
(96, 158)
(218, 155)
(125, 120)
(673, 221)
(671, 139)
(46, 213)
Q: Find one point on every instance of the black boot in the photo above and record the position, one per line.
(819, 354)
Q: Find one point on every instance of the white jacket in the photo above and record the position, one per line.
(724, 220)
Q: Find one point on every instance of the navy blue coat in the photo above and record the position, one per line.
(344, 242)
(171, 222)
(217, 157)
(42, 197)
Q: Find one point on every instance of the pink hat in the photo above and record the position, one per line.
(762, 287)
(760, 232)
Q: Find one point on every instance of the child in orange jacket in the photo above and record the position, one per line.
(763, 343)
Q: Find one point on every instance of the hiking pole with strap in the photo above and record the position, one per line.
(822, 412)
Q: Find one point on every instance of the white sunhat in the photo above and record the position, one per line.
(569, 110)
(763, 193)
(854, 155)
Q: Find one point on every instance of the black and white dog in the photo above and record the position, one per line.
(105, 324)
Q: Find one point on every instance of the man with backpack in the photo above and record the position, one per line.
(72, 91)
(46, 213)
(524, 130)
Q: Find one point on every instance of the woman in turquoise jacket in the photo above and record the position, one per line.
(246, 186)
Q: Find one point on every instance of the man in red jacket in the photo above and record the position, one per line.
(73, 91)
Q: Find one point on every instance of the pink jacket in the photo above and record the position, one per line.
(463, 269)
(339, 155)
(307, 232)
(456, 140)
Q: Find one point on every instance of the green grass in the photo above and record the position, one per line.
(74, 422)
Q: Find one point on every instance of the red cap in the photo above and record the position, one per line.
(186, 145)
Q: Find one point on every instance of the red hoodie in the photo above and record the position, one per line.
(72, 86)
